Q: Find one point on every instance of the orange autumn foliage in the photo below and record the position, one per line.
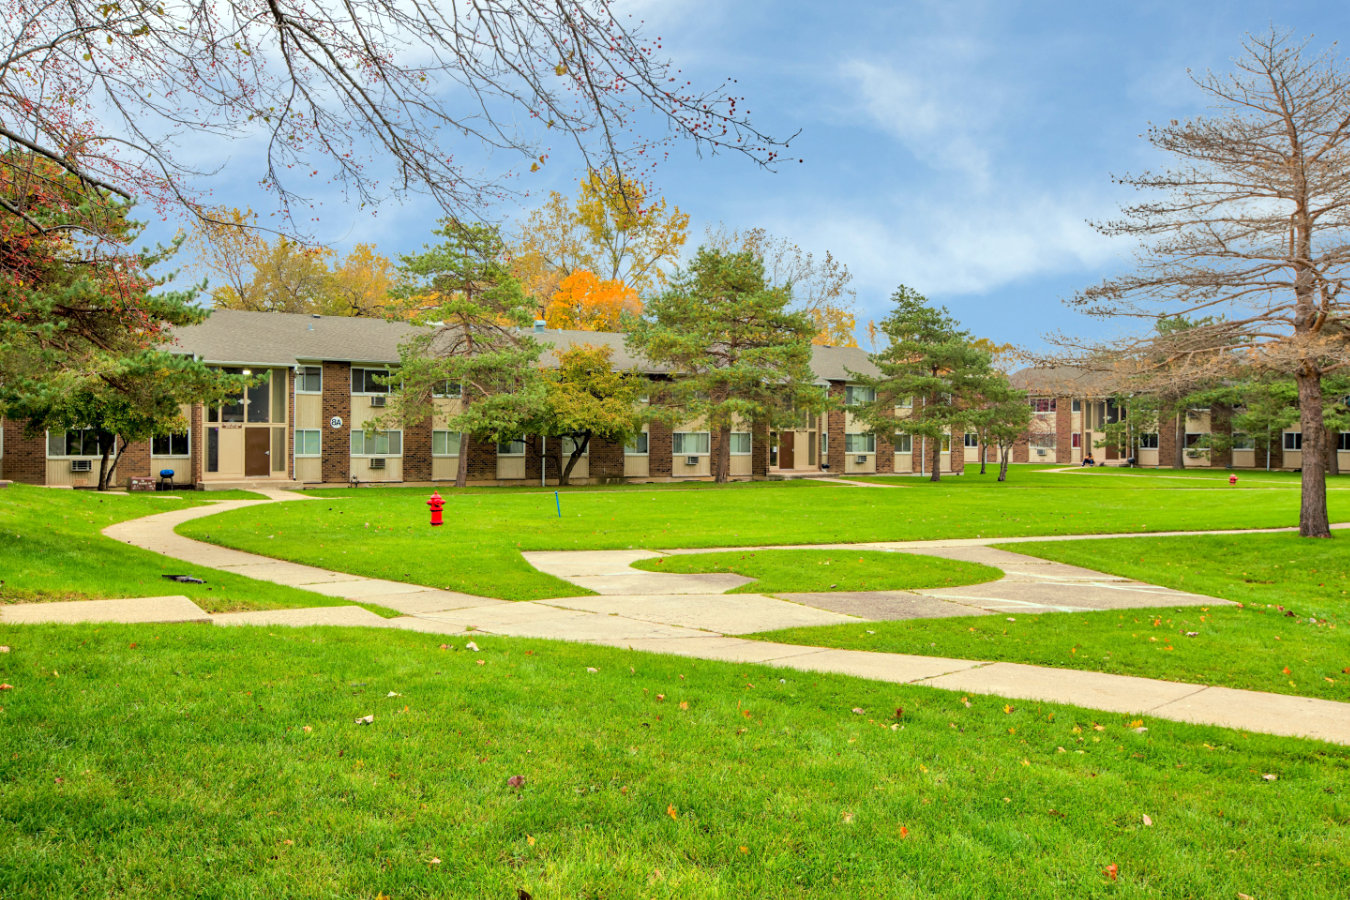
(584, 302)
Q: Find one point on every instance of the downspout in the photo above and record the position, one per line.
(290, 421)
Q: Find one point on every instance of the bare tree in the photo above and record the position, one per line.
(1249, 234)
(117, 94)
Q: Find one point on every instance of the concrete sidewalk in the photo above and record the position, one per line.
(688, 615)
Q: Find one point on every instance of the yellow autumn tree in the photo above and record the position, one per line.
(364, 284)
(615, 227)
(585, 302)
(226, 243)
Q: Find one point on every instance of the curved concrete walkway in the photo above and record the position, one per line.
(688, 615)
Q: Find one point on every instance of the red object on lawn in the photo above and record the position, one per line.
(1232, 479)
(436, 504)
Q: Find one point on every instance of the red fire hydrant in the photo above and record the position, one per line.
(1232, 479)
(436, 504)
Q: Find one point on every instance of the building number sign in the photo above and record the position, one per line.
(335, 422)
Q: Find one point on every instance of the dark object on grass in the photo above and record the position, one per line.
(184, 579)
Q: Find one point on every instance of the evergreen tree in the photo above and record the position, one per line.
(738, 353)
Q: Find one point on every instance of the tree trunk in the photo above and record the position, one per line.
(1004, 453)
(936, 460)
(984, 452)
(1179, 430)
(103, 451)
(462, 470)
(1333, 456)
(722, 459)
(577, 452)
(1312, 517)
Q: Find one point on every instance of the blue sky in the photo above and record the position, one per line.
(957, 147)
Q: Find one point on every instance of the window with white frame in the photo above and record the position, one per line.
(570, 445)
(972, 439)
(1243, 441)
(1076, 405)
(740, 443)
(689, 443)
(825, 445)
(510, 448)
(309, 380)
(860, 443)
(445, 443)
(859, 394)
(1344, 442)
(638, 445)
(1041, 441)
(1076, 441)
(170, 444)
(445, 389)
(905, 403)
(903, 443)
(308, 442)
(946, 443)
(1148, 441)
(1197, 439)
(377, 443)
(364, 381)
(1293, 440)
(72, 442)
(1042, 404)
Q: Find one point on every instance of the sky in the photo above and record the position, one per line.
(960, 148)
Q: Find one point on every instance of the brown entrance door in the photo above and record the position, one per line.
(785, 460)
(257, 452)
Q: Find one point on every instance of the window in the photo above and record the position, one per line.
(1076, 441)
(74, 442)
(689, 443)
(946, 443)
(1076, 405)
(740, 443)
(363, 381)
(972, 439)
(1196, 438)
(1042, 404)
(1344, 442)
(1042, 441)
(1196, 412)
(259, 395)
(445, 443)
(377, 443)
(903, 443)
(1243, 441)
(857, 394)
(308, 442)
(638, 446)
(1293, 440)
(309, 380)
(511, 448)
(1148, 441)
(907, 403)
(570, 445)
(169, 445)
(860, 443)
(825, 446)
(445, 389)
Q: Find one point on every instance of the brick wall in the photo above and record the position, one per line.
(1064, 430)
(759, 451)
(483, 459)
(835, 430)
(659, 450)
(25, 457)
(1167, 440)
(337, 442)
(1021, 451)
(417, 450)
(135, 462)
(958, 452)
(606, 459)
(1221, 423)
(885, 453)
(197, 444)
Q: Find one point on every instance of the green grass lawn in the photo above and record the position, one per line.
(788, 571)
(51, 549)
(1292, 635)
(187, 761)
(384, 534)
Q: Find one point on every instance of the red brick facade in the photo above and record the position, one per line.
(336, 443)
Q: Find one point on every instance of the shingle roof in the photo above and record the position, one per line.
(232, 336)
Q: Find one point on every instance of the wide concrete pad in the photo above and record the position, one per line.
(173, 608)
(568, 563)
(316, 615)
(638, 582)
(1113, 693)
(724, 614)
(1068, 597)
(289, 574)
(1324, 720)
(883, 606)
(361, 588)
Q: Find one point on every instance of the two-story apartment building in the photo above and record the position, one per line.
(318, 384)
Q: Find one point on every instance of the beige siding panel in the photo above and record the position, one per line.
(510, 468)
(637, 466)
(309, 411)
(444, 468)
(59, 474)
(904, 462)
(740, 465)
(309, 469)
(392, 471)
(679, 467)
(1150, 457)
(582, 469)
(1242, 459)
(1293, 459)
(852, 466)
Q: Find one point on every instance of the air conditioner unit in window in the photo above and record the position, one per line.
(81, 465)
(1040, 452)
(379, 400)
(377, 464)
(691, 460)
(861, 457)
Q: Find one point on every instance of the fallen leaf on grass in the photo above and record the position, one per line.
(670, 811)
(4, 648)
(6, 687)
(1111, 871)
(307, 729)
(1269, 777)
(1148, 823)
(516, 781)
(847, 817)
(592, 669)
(904, 832)
(529, 839)
(365, 720)
(684, 704)
(435, 861)
(1009, 708)
(471, 646)
(858, 711)
(481, 662)
(743, 849)
(393, 694)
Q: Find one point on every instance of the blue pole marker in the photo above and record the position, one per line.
(557, 503)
